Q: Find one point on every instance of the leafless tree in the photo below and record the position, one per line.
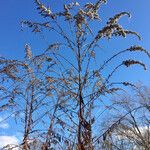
(129, 127)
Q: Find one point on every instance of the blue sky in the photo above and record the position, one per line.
(12, 39)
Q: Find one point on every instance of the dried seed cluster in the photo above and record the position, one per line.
(115, 19)
(28, 51)
(36, 27)
(139, 48)
(114, 29)
(44, 11)
(128, 63)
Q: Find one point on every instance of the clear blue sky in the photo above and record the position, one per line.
(12, 39)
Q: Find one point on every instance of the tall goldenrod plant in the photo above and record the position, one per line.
(76, 83)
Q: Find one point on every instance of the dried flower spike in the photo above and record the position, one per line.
(28, 51)
(128, 63)
(139, 48)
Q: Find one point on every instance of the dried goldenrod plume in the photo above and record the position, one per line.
(53, 47)
(80, 19)
(71, 5)
(67, 13)
(109, 30)
(35, 26)
(132, 33)
(28, 51)
(114, 29)
(112, 90)
(91, 10)
(115, 19)
(128, 84)
(10, 71)
(44, 11)
(126, 32)
(98, 3)
(129, 62)
(139, 48)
